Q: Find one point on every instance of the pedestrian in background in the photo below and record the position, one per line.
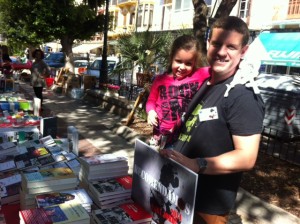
(172, 91)
(221, 134)
(39, 71)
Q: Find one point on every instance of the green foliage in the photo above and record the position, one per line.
(146, 48)
(32, 22)
(142, 49)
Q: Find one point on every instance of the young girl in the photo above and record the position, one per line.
(172, 91)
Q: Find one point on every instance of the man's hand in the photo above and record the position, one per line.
(183, 160)
(152, 118)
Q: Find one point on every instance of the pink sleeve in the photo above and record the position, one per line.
(153, 96)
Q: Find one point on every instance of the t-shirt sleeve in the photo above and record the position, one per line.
(245, 113)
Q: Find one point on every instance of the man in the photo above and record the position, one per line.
(221, 134)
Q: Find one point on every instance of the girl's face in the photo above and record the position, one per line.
(183, 63)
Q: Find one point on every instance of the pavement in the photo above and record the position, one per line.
(102, 132)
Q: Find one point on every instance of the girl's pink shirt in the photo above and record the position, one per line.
(170, 97)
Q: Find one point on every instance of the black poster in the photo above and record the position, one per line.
(163, 187)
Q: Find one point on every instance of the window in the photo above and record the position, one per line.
(294, 7)
(295, 71)
(244, 9)
(145, 15)
(279, 69)
(181, 5)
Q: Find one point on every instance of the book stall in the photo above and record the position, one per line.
(46, 180)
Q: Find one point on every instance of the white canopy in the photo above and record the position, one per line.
(86, 47)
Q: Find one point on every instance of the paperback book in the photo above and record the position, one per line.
(60, 214)
(79, 196)
(125, 213)
(44, 178)
(7, 163)
(114, 186)
(106, 160)
(9, 187)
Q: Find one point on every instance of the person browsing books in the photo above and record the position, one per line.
(172, 91)
(39, 71)
(221, 132)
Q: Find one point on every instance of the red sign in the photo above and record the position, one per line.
(290, 115)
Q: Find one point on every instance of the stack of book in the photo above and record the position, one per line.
(79, 196)
(61, 213)
(7, 163)
(10, 183)
(44, 181)
(102, 166)
(8, 148)
(111, 192)
(125, 213)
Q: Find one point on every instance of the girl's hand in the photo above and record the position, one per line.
(152, 118)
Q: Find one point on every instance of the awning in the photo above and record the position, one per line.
(86, 48)
(278, 48)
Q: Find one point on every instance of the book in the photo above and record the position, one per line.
(110, 201)
(114, 186)
(48, 126)
(9, 187)
(60, 214)
(7, 163)
(79, 196)
(37, 152)
(162, 186)
(73, 138)
(125, 213)
(44, 178)
(102, 174)
(67, 213)
(106, 160)
(34, 216)
(25, 161)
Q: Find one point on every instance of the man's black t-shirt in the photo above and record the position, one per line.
(208, 132)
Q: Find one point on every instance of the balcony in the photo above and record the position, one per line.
(127, 2)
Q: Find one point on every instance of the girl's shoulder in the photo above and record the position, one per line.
(163, 76)
(203, 72)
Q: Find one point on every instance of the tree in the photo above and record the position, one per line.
(201, 22)
(38, 21)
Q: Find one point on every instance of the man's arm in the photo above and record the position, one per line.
(242, 158)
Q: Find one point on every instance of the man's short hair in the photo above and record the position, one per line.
(232, 23)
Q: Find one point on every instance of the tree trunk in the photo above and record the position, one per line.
(225, 8)
(200, 27)
(67, 44)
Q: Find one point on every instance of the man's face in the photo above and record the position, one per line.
(224, 52)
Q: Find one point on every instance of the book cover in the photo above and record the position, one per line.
(111, 186)
(25, 161)
(79, 196)
(163, 186)
(37, 151)
(34, 216)
(125, 213)
(67, 213)
(47, 177)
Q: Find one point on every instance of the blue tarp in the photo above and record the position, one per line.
(281, 48)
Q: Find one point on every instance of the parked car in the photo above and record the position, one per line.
(55, 59)
(94, 68)
(80, 66)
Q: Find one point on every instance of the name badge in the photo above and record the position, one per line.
(208, 114)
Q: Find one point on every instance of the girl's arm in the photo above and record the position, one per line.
(152, 117)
